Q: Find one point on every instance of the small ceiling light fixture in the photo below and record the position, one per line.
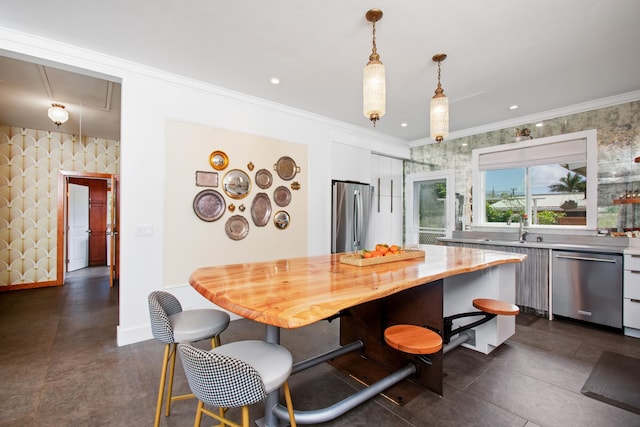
(373, 79)
(58, 114)
(439, 107)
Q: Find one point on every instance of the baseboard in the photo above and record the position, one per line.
(126, 336)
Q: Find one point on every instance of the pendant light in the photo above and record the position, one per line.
(373, 79)
(58, 114)
(439, 107)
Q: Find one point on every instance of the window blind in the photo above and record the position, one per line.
(573, 151)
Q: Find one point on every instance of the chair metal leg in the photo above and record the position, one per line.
(287, 398)
(245, 416)
(172, 367)
(163, 376)
(198, 419)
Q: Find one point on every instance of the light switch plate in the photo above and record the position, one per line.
(143, 230)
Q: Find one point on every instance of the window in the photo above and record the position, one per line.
(549, 181)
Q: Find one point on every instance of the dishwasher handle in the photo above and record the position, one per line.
(581, 258)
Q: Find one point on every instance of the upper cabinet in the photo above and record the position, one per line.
(387, 218)
(386, 175)
(347, 164)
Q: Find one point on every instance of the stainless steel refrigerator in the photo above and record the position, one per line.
(350, 217)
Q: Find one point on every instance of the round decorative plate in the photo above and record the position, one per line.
(209, 205)
(264, 179)
(218, 160)
(282, 196)
(261, 209)
(281, 219)
(286, 168)
(237, 227)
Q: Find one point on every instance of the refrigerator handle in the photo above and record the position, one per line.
(357, 216)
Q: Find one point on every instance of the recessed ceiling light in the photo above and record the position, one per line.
(275, 80)
(539, 125)
(513, 107)
(404, 125)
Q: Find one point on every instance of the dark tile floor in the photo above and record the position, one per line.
(60, 366)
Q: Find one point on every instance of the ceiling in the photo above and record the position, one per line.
(542, 55)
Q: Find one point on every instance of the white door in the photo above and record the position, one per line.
(430, 207)
(78, 220)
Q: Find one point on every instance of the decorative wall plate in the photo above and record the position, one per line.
(218, 160)
(206, 179)
(282, 196)
(209, 205)
(281, 220)
(236, 184)
(264, 179)
(286, 168)
(237, 227)
(261, 209)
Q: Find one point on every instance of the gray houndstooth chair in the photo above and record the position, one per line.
(171, 325)
(235, 375)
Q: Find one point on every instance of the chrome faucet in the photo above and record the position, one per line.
(522, 234)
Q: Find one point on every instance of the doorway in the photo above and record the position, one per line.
(88, 209)
(430, 206)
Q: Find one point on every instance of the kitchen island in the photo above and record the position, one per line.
(294, 292)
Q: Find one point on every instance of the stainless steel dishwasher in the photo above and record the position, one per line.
(588, 286)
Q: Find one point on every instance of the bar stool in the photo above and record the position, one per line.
(235, 375)
(170, 325)
(489, 308)
(413, 339)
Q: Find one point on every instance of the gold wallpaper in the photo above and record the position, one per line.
(29, 164)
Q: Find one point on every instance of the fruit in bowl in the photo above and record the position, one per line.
(382, 249)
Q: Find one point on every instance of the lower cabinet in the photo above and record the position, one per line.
(631, 295)
(532, 275)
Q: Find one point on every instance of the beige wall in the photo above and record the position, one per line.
(193, 243)
(29, 164)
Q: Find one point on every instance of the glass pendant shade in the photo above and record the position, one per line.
(58, 114)
(439, 117)
(373, 91)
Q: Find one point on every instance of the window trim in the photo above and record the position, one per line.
(479, 190)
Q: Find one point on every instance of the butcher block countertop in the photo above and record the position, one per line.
(295, 292)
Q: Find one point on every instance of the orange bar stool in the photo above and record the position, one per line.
(489, 308)
(171, 325)
(413, 339)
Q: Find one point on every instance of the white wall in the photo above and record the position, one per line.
(149, 99)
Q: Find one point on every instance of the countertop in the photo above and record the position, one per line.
(295, 292)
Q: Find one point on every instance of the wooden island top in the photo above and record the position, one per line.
(295, 292)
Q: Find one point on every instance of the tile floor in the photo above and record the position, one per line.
(60, 366)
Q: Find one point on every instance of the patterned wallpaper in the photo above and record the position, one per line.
(618, 129)
(29, 164)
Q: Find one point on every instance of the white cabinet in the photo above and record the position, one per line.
(631, 295)
(388, 209)
(347, 164)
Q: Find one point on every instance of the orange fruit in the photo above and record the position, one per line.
(383, 249)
